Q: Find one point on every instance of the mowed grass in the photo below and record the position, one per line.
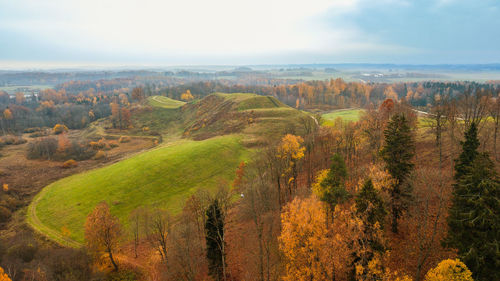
(347, 115)
(163, 177)
(165, 102)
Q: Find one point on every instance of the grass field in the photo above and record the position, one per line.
(163, 177)
(165, 102)
(347, 115)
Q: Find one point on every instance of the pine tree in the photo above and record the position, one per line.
(397, 153)
(474, 217)
(369, 203)
(469, 152)
(370, 209)
(214, 236)
(333, 190)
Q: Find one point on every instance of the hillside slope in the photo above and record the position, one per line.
(163, 177)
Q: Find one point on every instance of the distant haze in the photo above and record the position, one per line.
(61, 33)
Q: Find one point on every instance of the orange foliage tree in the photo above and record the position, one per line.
(103, 232)
(291, 151)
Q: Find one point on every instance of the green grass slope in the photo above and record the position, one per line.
(165, 102)
(163, 177)
(347, 115)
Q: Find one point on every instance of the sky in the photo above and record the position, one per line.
(236, 32)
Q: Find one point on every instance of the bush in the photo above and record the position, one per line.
(124, 139)
(44, 148)
(32, 130)
(100, 155)
(12, 140)
(67, 264)
(4, 214)
(69, 164)
(24, 250)
(60, 128)
(113, 144)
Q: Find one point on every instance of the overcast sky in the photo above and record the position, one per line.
(166, 32)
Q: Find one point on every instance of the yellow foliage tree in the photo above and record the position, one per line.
(304, 242)
(291, 151)
(449, 270)
(187, 96)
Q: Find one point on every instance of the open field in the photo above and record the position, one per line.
(164, 177)
(347, 115)
(26, 89)
(165, 102)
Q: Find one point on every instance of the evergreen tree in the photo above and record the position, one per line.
(214, 236)
(333, 189)
(397, 153)
(474, 217)
(370, 204)
(370, 208)
(469, 152)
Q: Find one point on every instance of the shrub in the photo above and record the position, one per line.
(32, 130)
(113, 144)
(69, 164)
(12, 140)
(24, 250)
(100, 155)
(124, 139)
(44, 148)
(60, 128)
(4, 214)
(67, 264)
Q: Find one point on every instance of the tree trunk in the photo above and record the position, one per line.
(110, 254)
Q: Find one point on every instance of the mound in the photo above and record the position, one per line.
(164, 177)
(259, 118)
(164, 102)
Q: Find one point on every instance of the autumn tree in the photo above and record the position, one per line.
(4, 276)
(258, 205)
(157, 231)
(474, 217)
(291, 151)
(125, 114)
(397, 153)
(103, 232)
(304, 242)
(216, 244)
(449, 270)
(20, 99)
(138, 94)
(187, 96)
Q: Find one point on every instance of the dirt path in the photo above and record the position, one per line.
(37, 225)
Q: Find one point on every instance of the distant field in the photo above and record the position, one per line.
(14, 89)
(347, 115)
(165, 177)
(165, 102)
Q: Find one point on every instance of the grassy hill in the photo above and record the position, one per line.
(217, 132)
(164, 102)
(259, 118)
(347, 115)
(165, 177)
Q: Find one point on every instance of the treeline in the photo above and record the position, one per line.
(334, 93)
